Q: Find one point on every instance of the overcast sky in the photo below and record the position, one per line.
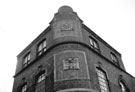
(21, 21)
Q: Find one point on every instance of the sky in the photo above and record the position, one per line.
(21, 21)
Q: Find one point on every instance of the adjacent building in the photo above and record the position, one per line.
(69, 57)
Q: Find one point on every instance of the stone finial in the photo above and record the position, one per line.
(65, 9)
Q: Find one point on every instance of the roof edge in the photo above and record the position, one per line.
(35, 40)
(104, 42)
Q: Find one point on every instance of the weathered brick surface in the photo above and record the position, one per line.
(76, 83)
(76, 43)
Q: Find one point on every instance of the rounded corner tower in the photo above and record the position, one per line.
(69, 57)
(70, 64)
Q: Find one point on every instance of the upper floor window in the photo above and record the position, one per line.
(40, 82)
(26, 59)
(70, 63)
(94, 43)
(103, 83)
(42, 47)
(24, 88)
(114, 58)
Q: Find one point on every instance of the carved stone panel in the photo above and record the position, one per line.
(70, 64)
(67, 28)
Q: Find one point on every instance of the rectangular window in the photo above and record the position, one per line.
(70, 63)
(42, 47)
(114, 59)
(94, 44)
(26, 59)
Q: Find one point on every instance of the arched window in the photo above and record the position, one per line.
(123, 86)
(40, 82)
(24, 88)
(103, 83)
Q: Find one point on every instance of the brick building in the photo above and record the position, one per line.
(69, 57)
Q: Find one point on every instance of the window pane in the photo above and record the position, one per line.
(103, 87)
(103, 84)
(41, 77)
(114, 58)
(40, 53)
(101, 75)
(123, 88)
(44, 49)
(40, 48)
(28, 57)
(91, 41)
(25, 60)
(102, 81)
(95, 45)
(44, 44)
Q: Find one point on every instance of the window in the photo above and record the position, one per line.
(123, 87)
(24, 88)
(26, 60)
(94, 44)
(70, 63)
(114, 59)
(41, 78)
(103, 83)
(42, 47)
(40, 82)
